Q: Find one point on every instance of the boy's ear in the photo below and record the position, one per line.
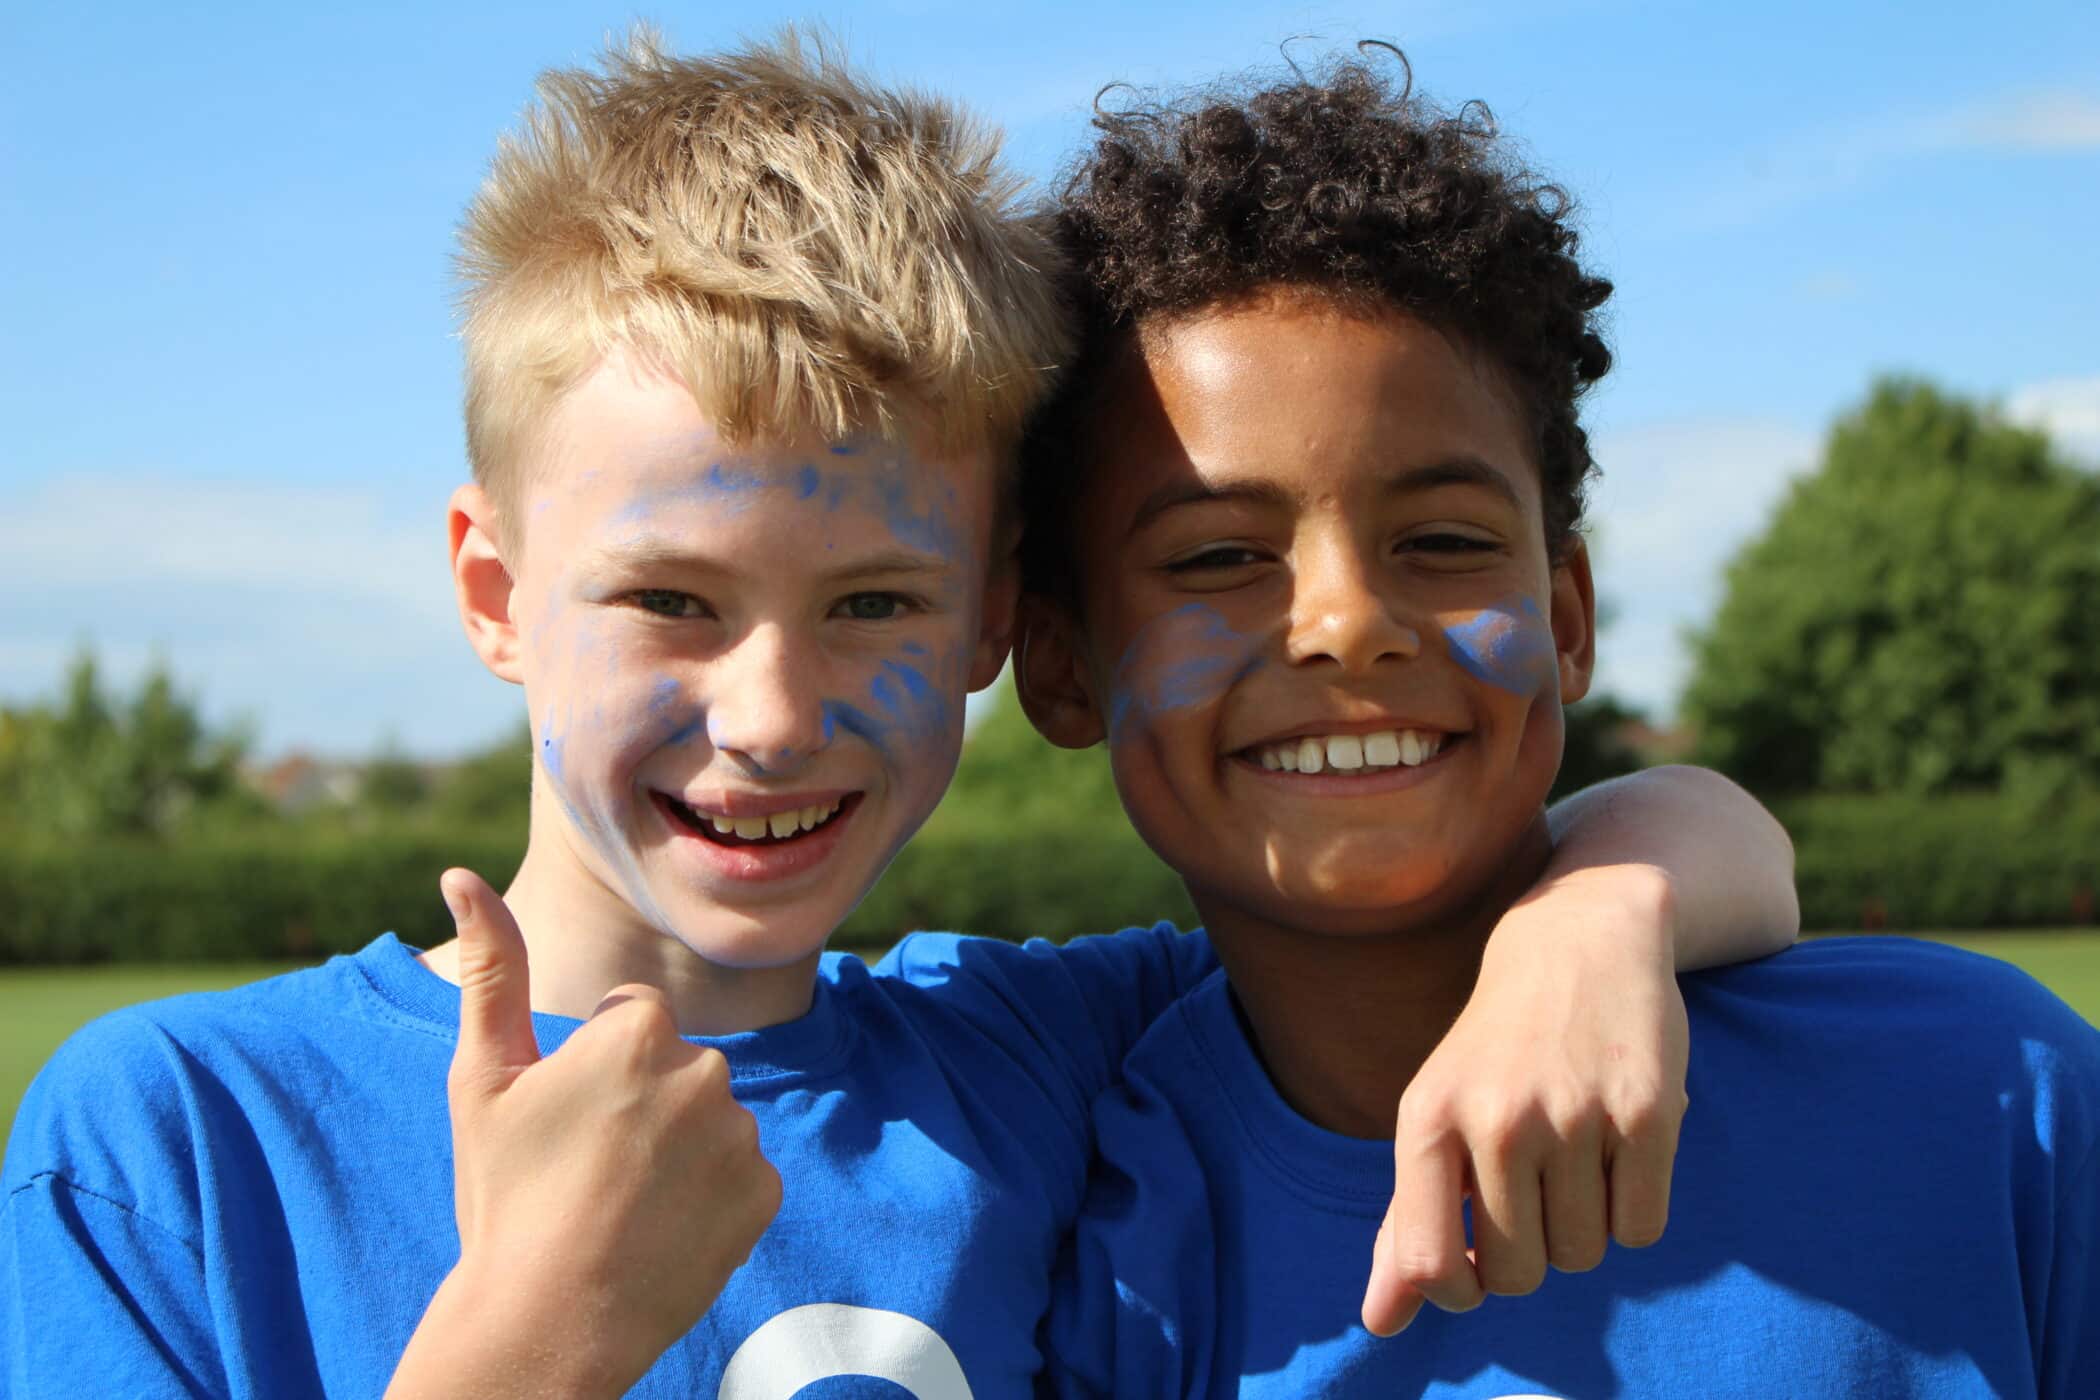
(482, 583)
(1002, 594)
(1050, 672)
(1575, 621)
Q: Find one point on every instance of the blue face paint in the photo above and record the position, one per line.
(913, 501)
(664, 704)
(684, 732)
(722, 484)
(907, 706)
(842, 715)
(1509, 645)
(1185, 658)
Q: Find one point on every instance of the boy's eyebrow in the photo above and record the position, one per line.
(1463, 470)
(897, 561)
(656, 551)
(1176, 494)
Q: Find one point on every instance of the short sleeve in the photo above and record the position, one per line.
(1073, 1010)
(96, 1299)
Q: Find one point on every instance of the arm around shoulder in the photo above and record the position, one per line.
(1688, 852)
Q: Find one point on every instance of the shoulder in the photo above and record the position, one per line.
(1044, 987)
(1898, 983)
(936, 958)
(132, 1093)
(1911, 1020)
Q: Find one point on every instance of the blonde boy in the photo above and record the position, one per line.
(748, 345)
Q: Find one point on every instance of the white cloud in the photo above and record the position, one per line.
(2068, 410)
(106, 529)
(2032, 121)
(308, 609)
(1675, 502)
(1809, 164)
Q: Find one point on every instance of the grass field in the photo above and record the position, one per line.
(39, 1007)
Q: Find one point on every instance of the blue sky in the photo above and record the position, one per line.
(230, 387)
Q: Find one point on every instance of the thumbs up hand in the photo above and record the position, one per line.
(604, 1194)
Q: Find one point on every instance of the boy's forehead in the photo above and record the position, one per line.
(634, 471)
(1282, 385)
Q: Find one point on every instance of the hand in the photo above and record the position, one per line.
(619, 1171)
(1554, 1102)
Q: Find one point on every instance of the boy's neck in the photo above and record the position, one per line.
(1343, 1022)
(582, 940)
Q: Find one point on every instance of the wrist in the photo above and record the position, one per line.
(1630, 906)
(490, 1332)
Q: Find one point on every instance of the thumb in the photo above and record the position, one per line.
(495, 988)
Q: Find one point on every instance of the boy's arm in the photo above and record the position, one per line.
(1691, 845)
(604, 1194)
(1559, 1091)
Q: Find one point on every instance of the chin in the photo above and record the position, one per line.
(1361, 869)
(752, 945)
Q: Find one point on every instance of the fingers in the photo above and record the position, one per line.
(1390, 1303)
(1421, 1251)
(632, 992)
(1641, 1162)
(1509, 1237)
(495, 987)
(1577, 1211)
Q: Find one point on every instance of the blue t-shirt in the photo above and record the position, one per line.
(249, 1193)
(1886, 1186)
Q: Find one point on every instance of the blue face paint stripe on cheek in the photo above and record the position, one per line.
(1510, 646)
(839, 715)
(1182, 659)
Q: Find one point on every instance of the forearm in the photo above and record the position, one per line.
(481, 1341)
(1719, 864)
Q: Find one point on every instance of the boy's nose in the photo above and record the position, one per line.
(764, 711)
(1338, 613)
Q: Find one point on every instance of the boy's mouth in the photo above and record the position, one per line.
(773, 829)
(1378, 751)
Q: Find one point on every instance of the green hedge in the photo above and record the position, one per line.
(296, 895)
(1959, 862)
(254, 895)
(1899, 863)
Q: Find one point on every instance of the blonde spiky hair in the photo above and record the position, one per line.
(806, 253)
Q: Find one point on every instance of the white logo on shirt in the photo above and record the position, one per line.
(820, 1340)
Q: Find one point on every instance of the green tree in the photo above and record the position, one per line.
(490, 788)
(96, 764)
(1596, 748)
(1922, 614)
(392, 781)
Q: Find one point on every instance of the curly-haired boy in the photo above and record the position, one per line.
(1314, 495)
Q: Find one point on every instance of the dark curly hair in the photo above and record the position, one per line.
(1344, 184)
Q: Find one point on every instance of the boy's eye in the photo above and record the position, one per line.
(667, 602)
(872, 607)
(1222, 556)
(1445, 542)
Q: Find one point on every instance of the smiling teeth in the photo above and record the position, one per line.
(1348, 752)
(779, 825)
